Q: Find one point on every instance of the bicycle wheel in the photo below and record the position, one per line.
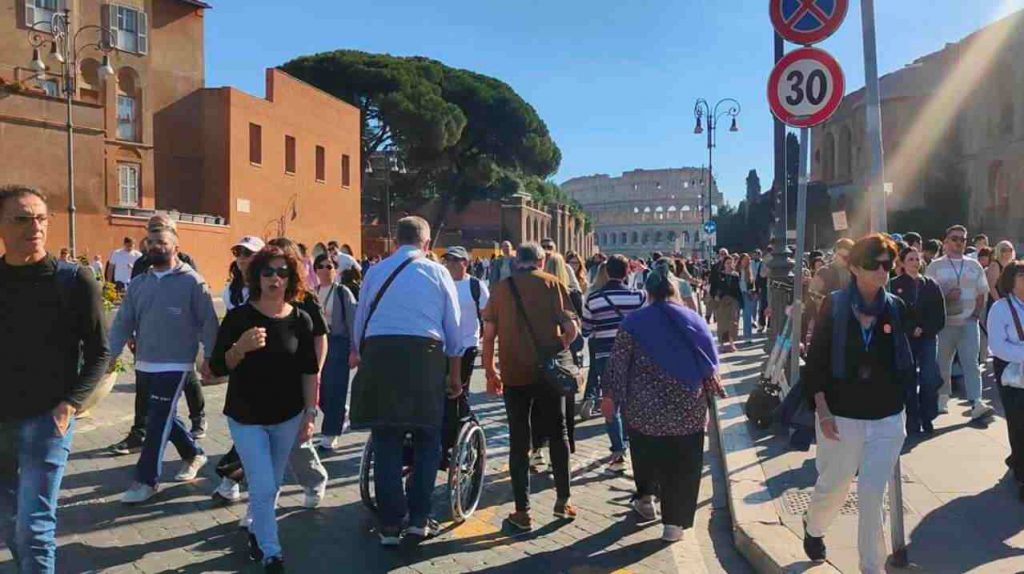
(367, 491)
(466, 471)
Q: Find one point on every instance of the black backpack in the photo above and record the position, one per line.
(474, 291)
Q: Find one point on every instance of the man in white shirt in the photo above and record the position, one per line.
(342, 256)
(121, 261)
(473, 297)
(964, 288)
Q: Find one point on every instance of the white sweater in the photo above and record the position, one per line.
(1003, 340)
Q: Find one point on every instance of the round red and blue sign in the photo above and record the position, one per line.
(807, 22)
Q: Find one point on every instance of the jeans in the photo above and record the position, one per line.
(868, 449)
(264, 450)
(616, 431)
(749, 303)
(32, 460)
(387, 474)
(520, 401)
(334, 387)
(162, 423)
(669, 466)
(965, 341)
(922, 396)
(593, 389)
(193, 397)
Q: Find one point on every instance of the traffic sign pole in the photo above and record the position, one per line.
(873, 123)
(801, 240)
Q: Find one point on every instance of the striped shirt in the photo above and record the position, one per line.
(603, 313)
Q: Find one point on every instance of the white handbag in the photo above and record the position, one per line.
(1013, 375)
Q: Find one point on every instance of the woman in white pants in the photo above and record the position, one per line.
(858, 366)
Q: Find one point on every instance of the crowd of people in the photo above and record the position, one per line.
(891, 316)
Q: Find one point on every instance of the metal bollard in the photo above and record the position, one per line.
(899, 556)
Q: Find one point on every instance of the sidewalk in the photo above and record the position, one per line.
(962, 513)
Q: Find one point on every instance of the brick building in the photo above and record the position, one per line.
(153, 137)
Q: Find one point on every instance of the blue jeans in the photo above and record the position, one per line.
(749, 305)
(264, 450)
(32, 460)
(923, 396)
(593, 388)
(964, 340)
(387, 474)
(616, 431)
(334, 385)
(162, 423)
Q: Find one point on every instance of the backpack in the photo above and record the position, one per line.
(474, 291)
(65, 276)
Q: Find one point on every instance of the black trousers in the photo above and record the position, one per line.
(550, 418)
(669, 466)
(1013, 405)
(193, 396)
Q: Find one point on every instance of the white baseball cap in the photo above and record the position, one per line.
(250, 242)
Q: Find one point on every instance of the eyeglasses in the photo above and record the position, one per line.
(282, 272)
(325, 266)
(25, 220)
(874, 265)
(241, 252)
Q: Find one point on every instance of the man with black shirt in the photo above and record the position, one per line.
(53, 352)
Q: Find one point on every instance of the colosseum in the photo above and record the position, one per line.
(643, 210)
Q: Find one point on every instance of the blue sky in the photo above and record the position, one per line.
(615, 81)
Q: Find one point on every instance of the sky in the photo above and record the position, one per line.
(615, 81)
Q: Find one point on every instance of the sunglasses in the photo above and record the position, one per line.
(874, 265)
(241, 252)
(282, 272)
(325, 266)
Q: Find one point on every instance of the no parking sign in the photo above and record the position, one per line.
(807, 22)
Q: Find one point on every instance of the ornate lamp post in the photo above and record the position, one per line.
(702, 110)
(64, 52)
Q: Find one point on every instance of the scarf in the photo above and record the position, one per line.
(676, 339)
(846, 300)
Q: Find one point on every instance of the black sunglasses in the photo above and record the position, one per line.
(325, 266)
(282, 272)
(241, 252)
(874, 265)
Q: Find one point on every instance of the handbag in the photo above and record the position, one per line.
(557, 370)
(380, 294)
(1013, 375)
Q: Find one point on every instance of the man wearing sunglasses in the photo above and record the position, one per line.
(964, 288)
(169, 312)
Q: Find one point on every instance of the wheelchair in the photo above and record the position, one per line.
(465, 461)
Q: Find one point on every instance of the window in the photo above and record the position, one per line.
(320, 167)
(51, 87)
(130, 28)
(346, 171)
(289, 154)
(255, 144)
(41, 12)
(128, 184)
(127, 118)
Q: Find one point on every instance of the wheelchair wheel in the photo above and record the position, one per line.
(366, 488)
(466, 471)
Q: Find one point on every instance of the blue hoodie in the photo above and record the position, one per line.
(168, 317)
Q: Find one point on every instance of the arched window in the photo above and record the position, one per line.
(612, 237)
(845, 155)
(90, 83)
(635, 238)
(646, 237)
(686, 238)
(672, 236)
(129, 105)
(828, 167)
(998, 186)
(622, 238)
(657, 237)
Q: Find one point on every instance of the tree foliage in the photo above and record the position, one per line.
(460, 135)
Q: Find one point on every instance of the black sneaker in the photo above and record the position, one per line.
(131, 444)
(814, 546)
(275, 566)
(198, 428)
(255, 554)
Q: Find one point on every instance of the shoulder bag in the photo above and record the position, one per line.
(376, 299)
(1013, 375)
(556, 370)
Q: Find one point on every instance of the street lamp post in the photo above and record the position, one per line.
(701, 110)
(390, 165)
(64, 52)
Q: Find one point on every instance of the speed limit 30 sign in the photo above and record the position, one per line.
(805, 88)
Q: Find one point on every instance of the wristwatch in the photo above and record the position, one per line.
(310, 411)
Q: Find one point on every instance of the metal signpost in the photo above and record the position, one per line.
(804, 89)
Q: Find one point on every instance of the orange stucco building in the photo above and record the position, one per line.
(153, 137)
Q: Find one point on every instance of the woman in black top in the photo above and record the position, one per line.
(858, 368)
(267, 349)
(927, 316)
(728, 303)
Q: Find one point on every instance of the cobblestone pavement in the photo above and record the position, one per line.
(184, 531)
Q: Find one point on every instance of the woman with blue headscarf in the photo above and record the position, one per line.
(662, 368)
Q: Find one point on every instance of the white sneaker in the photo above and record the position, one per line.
(245, 522)
(426, 531)
(314, 496)
(672, 533)
(644, 506)
(228, 490)
(538, 460)
(943, 404)
(138, 493)
(331, 443)
(190, 468)
(980, 410)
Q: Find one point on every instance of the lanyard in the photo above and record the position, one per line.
(959, 273)
(867, 335)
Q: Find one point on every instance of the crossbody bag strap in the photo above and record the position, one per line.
(522, 312)
(1016, 320)
(380, 293)
(614, 308)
